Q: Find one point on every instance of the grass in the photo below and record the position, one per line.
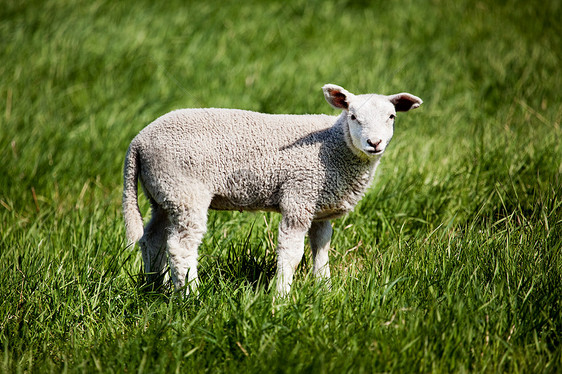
(451, 263)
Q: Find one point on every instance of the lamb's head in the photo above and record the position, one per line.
(369, 119)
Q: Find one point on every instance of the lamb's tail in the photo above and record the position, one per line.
(131, 211)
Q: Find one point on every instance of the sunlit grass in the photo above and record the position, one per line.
(451, 263)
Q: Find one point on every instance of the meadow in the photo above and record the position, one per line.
(452, 262)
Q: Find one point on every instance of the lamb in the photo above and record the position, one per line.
(309, 168)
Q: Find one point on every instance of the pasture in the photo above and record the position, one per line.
(452, 262)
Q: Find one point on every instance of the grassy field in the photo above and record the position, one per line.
(451, 263)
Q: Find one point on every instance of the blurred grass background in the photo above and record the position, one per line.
(452, 261)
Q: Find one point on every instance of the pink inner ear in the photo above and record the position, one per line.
(404, 102)
(338, 99)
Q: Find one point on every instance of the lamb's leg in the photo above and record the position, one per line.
(187, 229)
(290, 249)
(153, 248)
(319, 235)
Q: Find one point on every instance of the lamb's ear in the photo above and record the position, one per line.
(405, 101)
(337, 96)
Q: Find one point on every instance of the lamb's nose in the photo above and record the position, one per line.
(374, 144)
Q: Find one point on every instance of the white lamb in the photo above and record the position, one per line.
(309, 168)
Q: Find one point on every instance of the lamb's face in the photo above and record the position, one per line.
(370, 120)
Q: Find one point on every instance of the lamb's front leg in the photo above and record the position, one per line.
(290, 249)
(320, 234)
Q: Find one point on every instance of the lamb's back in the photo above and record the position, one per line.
(231, 135)
(239, 155)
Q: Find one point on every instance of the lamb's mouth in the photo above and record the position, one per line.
(373, 151)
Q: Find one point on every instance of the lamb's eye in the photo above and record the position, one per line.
(353, 118)
(392, 116)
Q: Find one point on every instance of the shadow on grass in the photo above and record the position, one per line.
(244, 264)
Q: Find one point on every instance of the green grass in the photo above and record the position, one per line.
(451, 263)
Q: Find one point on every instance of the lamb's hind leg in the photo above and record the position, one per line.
(153, 248)
(187, 227)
